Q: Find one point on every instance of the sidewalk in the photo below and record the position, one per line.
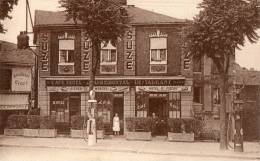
(159, 147)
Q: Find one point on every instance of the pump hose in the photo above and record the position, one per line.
(229, 125)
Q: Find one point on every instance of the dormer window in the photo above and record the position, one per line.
(108, 59)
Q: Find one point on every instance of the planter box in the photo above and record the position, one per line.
(76, 133)
(31, 132)
(189, 137)
(47, 133)
(147, 136)
(100, 134)
(13, 132)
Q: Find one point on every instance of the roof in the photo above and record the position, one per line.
(247, 77)
(16, 56)
(138, 16)
(4, 45)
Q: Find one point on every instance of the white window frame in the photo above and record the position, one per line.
(158, 54)
(67, 52)
(109, 47)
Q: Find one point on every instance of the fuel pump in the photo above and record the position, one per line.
(238, 131)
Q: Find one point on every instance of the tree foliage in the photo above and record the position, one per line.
(103, 20)
(220, 28)
(6, 6)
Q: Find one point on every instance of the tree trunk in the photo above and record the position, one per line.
(223, 113)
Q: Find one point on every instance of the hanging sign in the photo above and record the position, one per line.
(163, 88)
(129, 52)
(44, 51)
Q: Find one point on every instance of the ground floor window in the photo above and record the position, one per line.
(174, 105)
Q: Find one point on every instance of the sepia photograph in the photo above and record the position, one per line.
(129, 80)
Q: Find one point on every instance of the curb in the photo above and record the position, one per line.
(141, 152)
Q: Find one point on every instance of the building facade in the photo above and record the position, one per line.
(16, 83)
(145, 72)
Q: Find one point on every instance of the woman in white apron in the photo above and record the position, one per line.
(116, 124)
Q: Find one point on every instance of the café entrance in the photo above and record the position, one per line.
(158, 106)
(63, 106)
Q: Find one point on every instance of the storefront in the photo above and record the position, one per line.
(129, 97)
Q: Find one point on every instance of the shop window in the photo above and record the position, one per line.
(197, 65)
(6, 78)
(66, 54)
(174, 105)
(158, 55)
(108, 58)
(197, 94)
(216, 96)
(142, 103)
(104, 106)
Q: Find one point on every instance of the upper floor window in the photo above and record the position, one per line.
(158, 55)
(66, 53)
(216, 96)
(197, 65)
(6, 78)
(108, 62)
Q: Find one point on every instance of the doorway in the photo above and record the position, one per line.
(158, 105)
(63, 106)
(118, 107)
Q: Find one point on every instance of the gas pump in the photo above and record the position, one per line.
(238, 131)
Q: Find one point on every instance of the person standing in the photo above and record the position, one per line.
(116, 124)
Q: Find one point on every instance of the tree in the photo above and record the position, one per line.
(6, 6)
(219, 29)
(103, 21)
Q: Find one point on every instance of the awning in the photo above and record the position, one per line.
(14, 101)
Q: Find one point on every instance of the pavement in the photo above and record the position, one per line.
(120, 144)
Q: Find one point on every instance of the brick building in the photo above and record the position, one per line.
(145, 72)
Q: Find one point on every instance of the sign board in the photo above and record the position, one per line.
(86, 89)
(121, 82)
(129, 52)
(21, 79)
(163, 88)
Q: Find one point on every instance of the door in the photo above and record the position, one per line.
(118, 107)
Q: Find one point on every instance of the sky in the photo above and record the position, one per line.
(248, 56)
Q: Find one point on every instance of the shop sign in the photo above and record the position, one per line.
(14, 101)
(21, 79)
(44, 51)
(85, 89)
(163, 88)
(121, 82)
(129, 52)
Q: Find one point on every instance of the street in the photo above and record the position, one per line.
(60, 154)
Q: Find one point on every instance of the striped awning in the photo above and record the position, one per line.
(14, 101)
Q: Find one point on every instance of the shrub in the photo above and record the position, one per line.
(77, 122)
(181, 125)
(17, 122)
(47, 122)
(138, 124)
(33, 122)
(100, 123)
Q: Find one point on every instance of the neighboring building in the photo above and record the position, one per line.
(16, 81)
(145, 72)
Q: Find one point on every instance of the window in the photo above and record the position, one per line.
(197, 93)
(197, 65)
(6, 77)
(216, 96)
(108, 58)
(158, 55)
(66, 51)
(174, 105)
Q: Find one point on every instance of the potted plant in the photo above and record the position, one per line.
(100, 128)
(181, 130)
(33, 125)
(47, 126)
(77, 123)
(138, 128)
(15, 125)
